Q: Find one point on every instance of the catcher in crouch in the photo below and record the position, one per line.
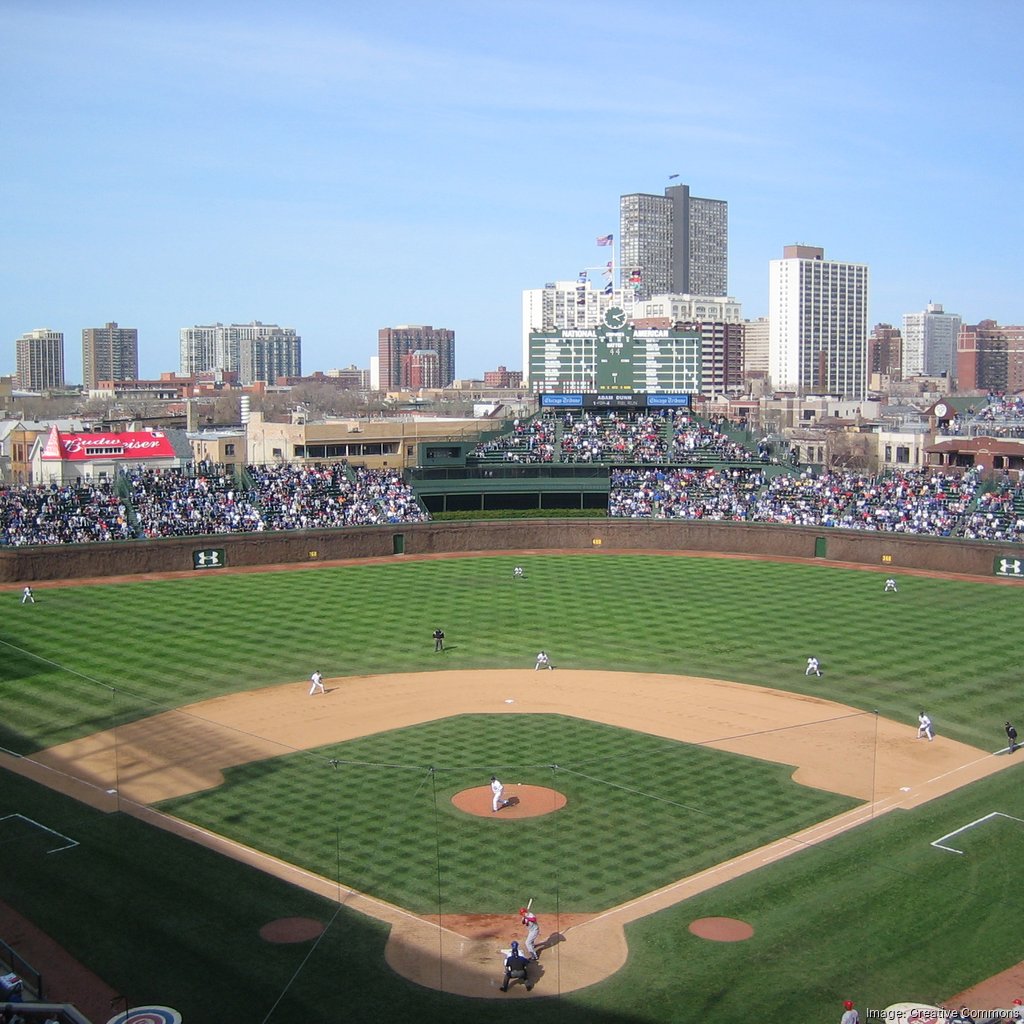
(529, 919)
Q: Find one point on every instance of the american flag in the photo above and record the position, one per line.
(604, 239)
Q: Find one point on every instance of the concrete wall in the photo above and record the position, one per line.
(895, 551)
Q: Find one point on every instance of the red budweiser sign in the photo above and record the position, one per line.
(134, 444)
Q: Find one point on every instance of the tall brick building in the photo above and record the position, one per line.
(396, 344)
(990, 357)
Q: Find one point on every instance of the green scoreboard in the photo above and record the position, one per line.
(616, 358)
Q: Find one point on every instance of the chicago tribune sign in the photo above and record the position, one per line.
(209, 558)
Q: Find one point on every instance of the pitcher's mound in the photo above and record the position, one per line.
(522, 801)
(721, 929)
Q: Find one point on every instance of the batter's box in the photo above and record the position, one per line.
(16, 828)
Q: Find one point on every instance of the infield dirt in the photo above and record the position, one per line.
(831, 746)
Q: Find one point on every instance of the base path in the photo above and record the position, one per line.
(830, 746)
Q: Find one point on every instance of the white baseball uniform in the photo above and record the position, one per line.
(317, 683)
(497, 791)
(924, 727)
(532, 931)
(812, 666)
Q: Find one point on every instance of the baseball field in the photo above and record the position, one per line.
(214, 839)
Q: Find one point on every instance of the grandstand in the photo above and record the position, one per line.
(624, 463)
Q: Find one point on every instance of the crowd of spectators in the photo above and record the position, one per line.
(208, 500)
(998, 415)
(529, 441)
(928, 502)
(674, 493)
(613, 437)
(694, 440)
(63, 515)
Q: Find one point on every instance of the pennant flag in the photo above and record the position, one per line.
(671, 176)
(634, 276)
(608, 269)
(605, 239)
(608, 288)
(582, 279)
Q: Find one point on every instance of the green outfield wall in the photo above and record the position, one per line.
(208, 554)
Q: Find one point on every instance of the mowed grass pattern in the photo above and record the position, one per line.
(642, 811)
(877, 914)
(85, 658)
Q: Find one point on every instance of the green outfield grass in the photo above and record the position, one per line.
(86, 657)
(642, 812)
(877, 915)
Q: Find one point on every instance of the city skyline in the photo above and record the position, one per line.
(340, 170)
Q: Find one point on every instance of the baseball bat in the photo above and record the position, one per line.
(529, 906)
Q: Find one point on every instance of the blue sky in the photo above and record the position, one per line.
(338, 168)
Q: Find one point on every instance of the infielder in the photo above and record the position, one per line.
(890, 586)
(543, 661)
(924, 727)
(529, 919)
(316, 682)
(497, 795)
(812, 666)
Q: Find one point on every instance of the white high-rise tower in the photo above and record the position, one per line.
(818, 323)
(929, 342)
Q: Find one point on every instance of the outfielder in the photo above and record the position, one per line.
(27, 597)
(812, 666)
(529, 919)
(890, 587)
(497, 795)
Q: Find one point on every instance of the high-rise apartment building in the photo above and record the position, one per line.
(218, 347)
(394, 344)
(990, 357)
(755, 347)
(929, 342)
(818, 323)
(885, 354)
(275, 354)
(109, 353)
(39, 358)
(674, 243)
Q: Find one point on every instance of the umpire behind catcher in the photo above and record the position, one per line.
(515, 969)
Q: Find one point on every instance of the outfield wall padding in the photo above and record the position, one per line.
(888, 550)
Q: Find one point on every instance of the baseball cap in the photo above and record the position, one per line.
(1018, 1002)
(848, 1005)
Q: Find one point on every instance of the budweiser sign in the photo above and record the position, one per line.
(131, 444)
